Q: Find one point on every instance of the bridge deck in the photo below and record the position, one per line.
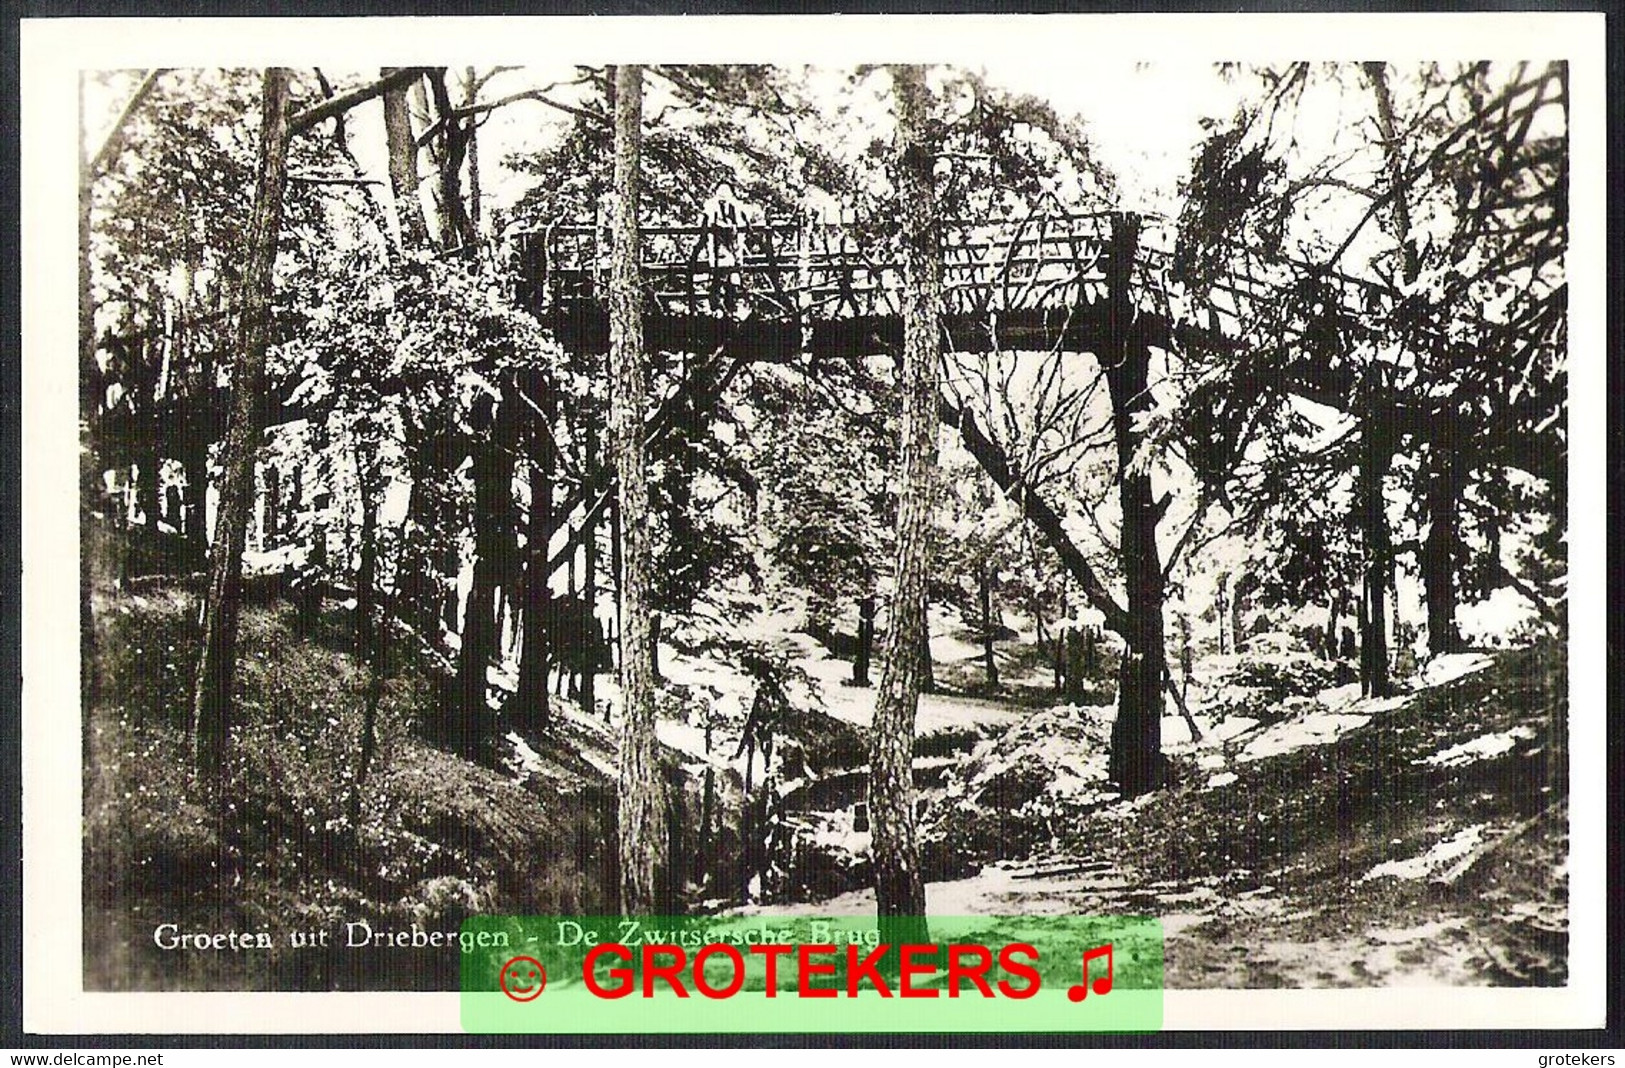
(1037, 281)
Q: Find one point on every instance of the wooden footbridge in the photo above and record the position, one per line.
(1057, 280)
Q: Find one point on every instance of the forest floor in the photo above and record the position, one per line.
(1415, 840)
(1309, 839)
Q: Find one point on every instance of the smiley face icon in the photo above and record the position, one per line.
(523, 979)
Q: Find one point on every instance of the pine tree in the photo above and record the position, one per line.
(212, 713)
(641, 828)
(899, 890)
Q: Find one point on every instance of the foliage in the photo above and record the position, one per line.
(1336, 289)
(1370, 323)
(438, 837)
(824, 453)
(1261, 684)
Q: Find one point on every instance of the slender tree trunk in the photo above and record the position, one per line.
(1398, 201)
(1077, 668)
(147, 488)
(928, 675)
(447, 578)
(531, 696)
(310, 596)
(866, 641)
(640, 824)
(1378, 446)
(1238, 609)
(570, 672)
(1136, 756)
(271, 508)
(474, 191)
(899, 889)
(990, 665)
(1439, 549)
(589, 582)
(456, 230)
(425, 574)
(1376, 455)
(1178, 694)
(493, 534)
(706, 852)
(366, 582)
(371, 632)
(403, 168)
(414, 587)
(196, 462)
(615, 564)
(212, 704)
(1058, 659)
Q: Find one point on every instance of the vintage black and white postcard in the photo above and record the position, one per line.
(993, 471)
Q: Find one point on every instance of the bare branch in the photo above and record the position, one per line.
(338, 105)
(115, 136)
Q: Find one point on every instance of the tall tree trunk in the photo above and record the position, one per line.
(423, 572)
(1393, 153)
(531, 696)
(1378, 446)
(1375, 456)
(899, 889)
(271, 508)
(403, 168)
(212, 704)
(456, 230)
(570, 671)
(474, 190)
(641, 829)
(493, 535)
(1136, 756)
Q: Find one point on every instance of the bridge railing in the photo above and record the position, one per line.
(818, 269)
(809, 269)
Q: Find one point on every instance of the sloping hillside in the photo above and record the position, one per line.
(1419, 839)
(429, 839)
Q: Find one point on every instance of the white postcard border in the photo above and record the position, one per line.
(54, 50)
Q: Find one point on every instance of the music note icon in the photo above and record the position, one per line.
(1102, 985)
